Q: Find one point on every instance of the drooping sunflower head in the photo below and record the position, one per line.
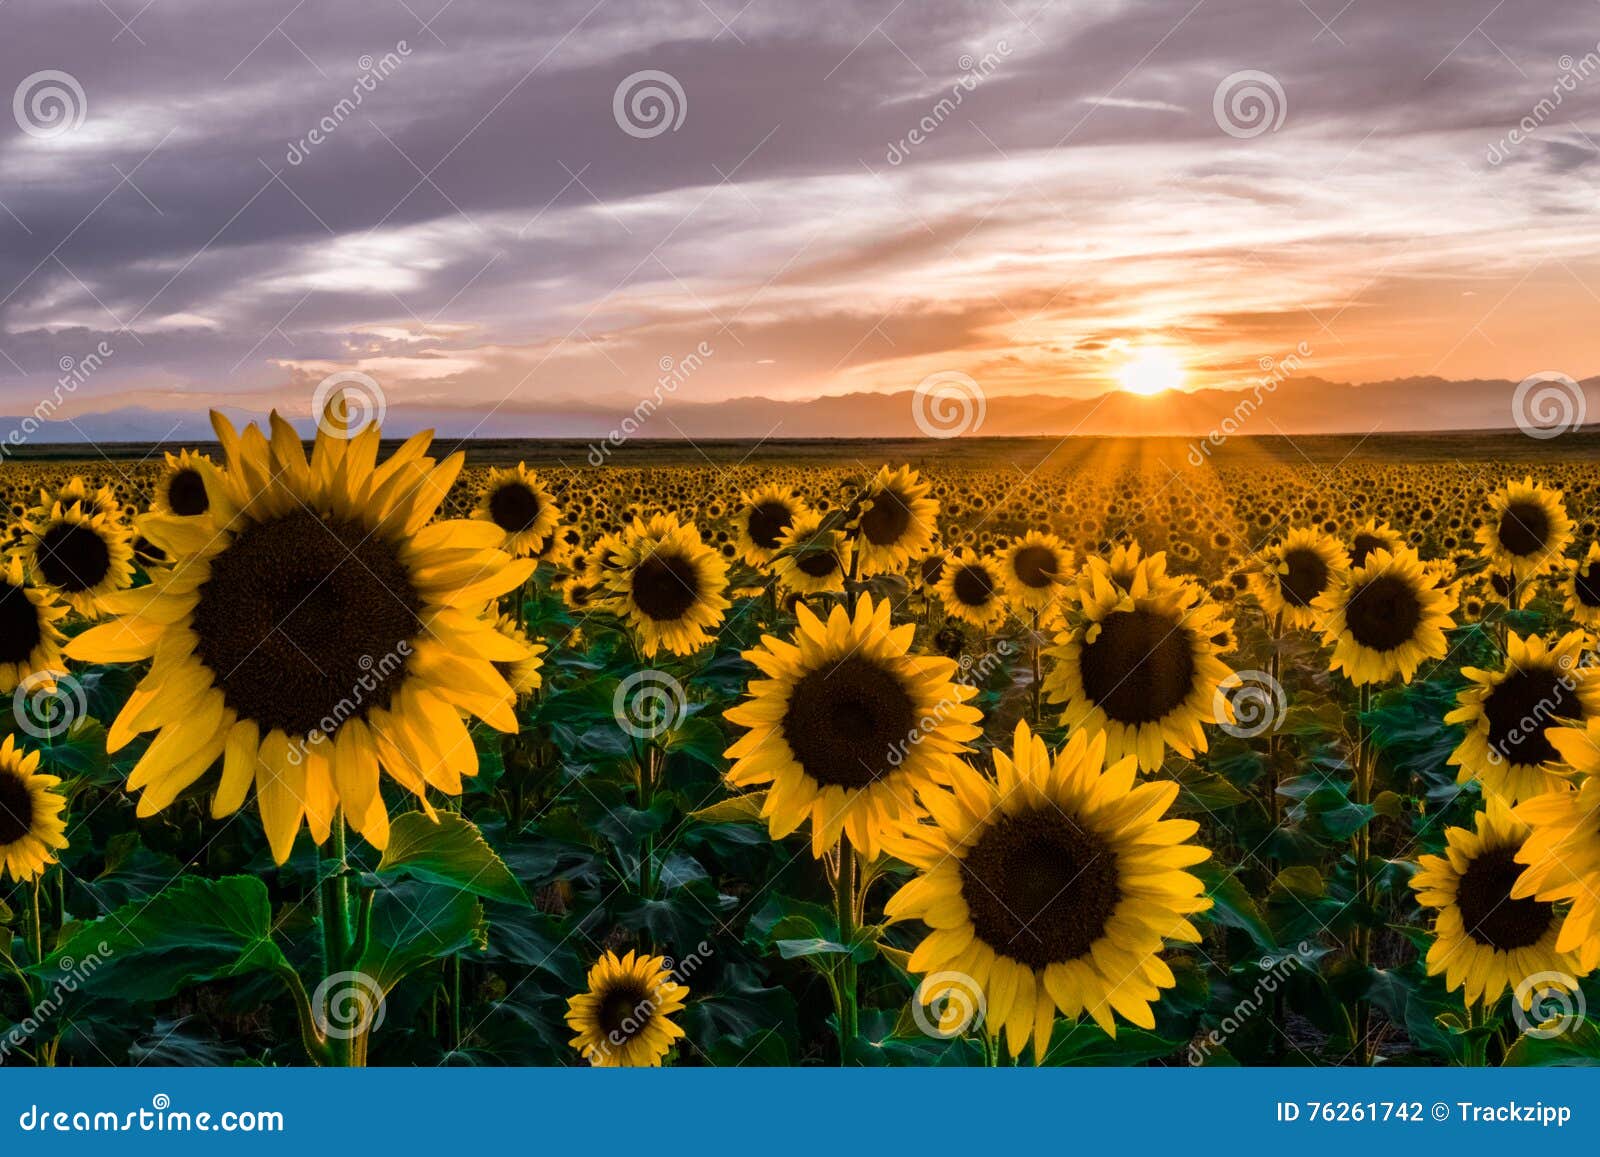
(668, 585)
(181, 489)
(624, 1019)
(893, 520)
(810, 559)
(1294, 573)
(319, 628)
(1052, 886)
(761, 523)
(1510, 714)
(1370, 536)
(1035, 568)
(1487, 940)
(31, 827)
(79, 553)
(847, 726)
(1527, 529)
(1141, 664)
(1582, 588)
(1385, 618)
(515, 500)
(971, 589)
(30, 641)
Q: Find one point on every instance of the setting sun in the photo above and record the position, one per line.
(1150, 371)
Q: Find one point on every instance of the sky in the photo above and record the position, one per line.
(500, 205)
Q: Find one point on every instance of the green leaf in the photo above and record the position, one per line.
(700, 739)
(414, 924)
(1578, 1045)
(1233, 906)
(738, 809)
(451, 853)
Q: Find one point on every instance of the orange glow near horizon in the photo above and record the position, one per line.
(1151, 370)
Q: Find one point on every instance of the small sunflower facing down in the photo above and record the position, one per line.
(1510, 712)
(1486, 941)
(1035, 568)
(1527, 529)
(893, 521)
(515, 500)
(30, 641)
(970, 589)
(668, 585)
(1385, 618)
(31, 828)
(624, 1019)
(1562, 850)
(847, 726)
(766, 516)
(1053, 886)
(1582, 588)
(1294, 573)
(82, 554)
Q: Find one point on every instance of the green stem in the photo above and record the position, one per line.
(845, 905)
(1365, 771)
(334, 905)
(648, 768)
(311, 1037)
(1033, 649)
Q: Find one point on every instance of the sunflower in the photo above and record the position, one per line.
(1140, 663)
(29, 639)
(893, 521)
(1487, 942)
(1050, 887)
(761, 524)
(810, 560)
(1527, 529)
(75, 492)
(319, 629)
(515, 500)
(79, 552)
(1294, 573)
(181, 489)
(31, 827)
(970, 589)
(1582, 588)
(668, 585)
(1373, 535)
(1508, 714)
(524, 675)
(624, 1019)
(1562, 851)
(847, 725)
(1119, 568)
(1385, 618)
(1034, 569)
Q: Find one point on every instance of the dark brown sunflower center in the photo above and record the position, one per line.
(849, 724)
(973, 586)
(1384, 613)
(888, 519)
(306, 621)
(1488, 913)
(665, 586)
(1586, 585)
(1036, 566)
(1524, 528)
(818, 563)
(767, 521)
(1140, 668)
(20, 628)
(1040, 888)
(16, 808)
(1520, 708)
(625, 1009)
(1364, 545)
(73, 557)
(933, 568)
(186, 493)
(514, 507)
(1306, 578)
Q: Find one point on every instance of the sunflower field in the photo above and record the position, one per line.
(354, 753)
